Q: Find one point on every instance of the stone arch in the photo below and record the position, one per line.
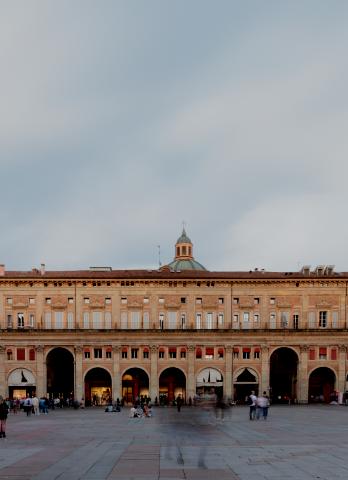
(322, 383)
(242, 387)
(171, 382)
(60, 372)
(21, 382)
(251, 370)
(68, 349)
(98, 386)
(135, 384)
(284, 363)
(210, 381)
(139, 368)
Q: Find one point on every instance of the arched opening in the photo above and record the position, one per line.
(21, 383)
(172, 383)
(283, 375)
(245, 383)
(210, 381)
(60, 373)
(321, 386)
(135, 385)
(98, 386)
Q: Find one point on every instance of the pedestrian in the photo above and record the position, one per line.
(262, 406)
(28, 405)
(179, 402)
(3, 417)
(252, 399)
(35, 404)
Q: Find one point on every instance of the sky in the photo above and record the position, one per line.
(120, 120)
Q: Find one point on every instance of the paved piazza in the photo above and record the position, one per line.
(303, 442)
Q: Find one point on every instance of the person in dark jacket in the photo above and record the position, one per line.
(3, 417)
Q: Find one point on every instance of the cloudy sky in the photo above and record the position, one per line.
(119, 120)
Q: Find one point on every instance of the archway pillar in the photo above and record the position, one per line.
(191, 380)
(303, 375)
(228, 374)
(41, 372)
(264, 384)
(116, 377)
(3, 383)
(79, 384)
(341, 381)
(154, 373)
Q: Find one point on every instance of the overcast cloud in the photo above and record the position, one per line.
(121, 119)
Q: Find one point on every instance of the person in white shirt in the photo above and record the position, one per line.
(252, 399)
(262, 406)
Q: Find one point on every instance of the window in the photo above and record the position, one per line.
(32, 354)
(108, 353)
(256, 301)
(322, 353)
(161, 321)
(209, 353)
(146, 353)
(246, 318)
(236, 317)
(48, 301)
(256, 353)
(124, 320)
(172, 352)
(295, 318)
(311, 354)
(209, 321)
(146, 300)
(107, 301)
(272, 321)
(9, 355)
(221, 320)
(333, 354)
(284, 318)
(124, 353)
(58, 319)
(183, 299)
(135, 320)
(256, 318)
(86, 300)
(334, 319)
(236, 300)
(246, 353)
(134, 352)
(9, 301)
(85, 319)
(87, 354)
(235, 352)
(48, 320)
(172, 320)
(198, 321)
(183, 353)
(70, 320)
(20, 353)
(198, 353)
(161, 300)
(31, 301)
(31, 320)
(124, 300)
(199, 301)
(161, 353)
(107, 319)
(183, 320)
(220, 353)
(98, 353)
(221, 300)
(70, 300)
(146, 320)
(311, 319)
(9, 321)
(97, 320)
(20, 320)
(272, 300)
(323, 319)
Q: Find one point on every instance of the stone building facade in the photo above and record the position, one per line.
(101, 333)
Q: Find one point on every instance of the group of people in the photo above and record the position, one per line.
(140, 410)
(258, 406)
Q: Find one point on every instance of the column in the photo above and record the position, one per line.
(341, 381)
(154, 373)
(228, 374)
(191, 381)
(116, 377)
(3, 383)
(79, 385)
(303, 375)
(41, 372)
(264, 385)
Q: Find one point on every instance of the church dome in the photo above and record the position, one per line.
(184, 255)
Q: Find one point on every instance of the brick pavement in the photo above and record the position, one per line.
(299, 443)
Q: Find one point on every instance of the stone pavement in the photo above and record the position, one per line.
(299, 443)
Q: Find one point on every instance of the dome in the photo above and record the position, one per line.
(181, 264)
(183, 238)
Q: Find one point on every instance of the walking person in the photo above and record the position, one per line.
(262, 406)
(252, 401)
(3, 417)
(179, 402)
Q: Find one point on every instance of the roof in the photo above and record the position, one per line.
(185, 264)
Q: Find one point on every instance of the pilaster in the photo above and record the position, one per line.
(3, 383)
(154, 373)
(265, 370)
(116, 377)
(228, 373)
(302, 384)
(191, 383)
(41, 372)
(341, 384)
(79, 390)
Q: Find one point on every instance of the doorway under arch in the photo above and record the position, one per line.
(283, 375)
(321, 386)
(210, 380)
(245, 382)
(60, 373)
(98, 387)
(172, 383)
(135, 384)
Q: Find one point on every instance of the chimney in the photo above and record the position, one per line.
(2, 270)
(43, 268)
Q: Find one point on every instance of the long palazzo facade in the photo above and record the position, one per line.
(102, 334)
